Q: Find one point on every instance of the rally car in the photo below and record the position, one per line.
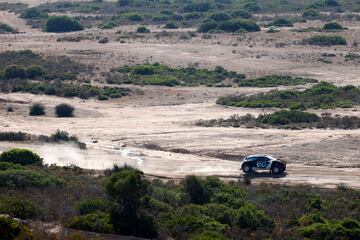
(263, 162)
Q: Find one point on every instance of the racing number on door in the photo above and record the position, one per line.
(262, 163)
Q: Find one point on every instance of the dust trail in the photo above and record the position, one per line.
(62, 154)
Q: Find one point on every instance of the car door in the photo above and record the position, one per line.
(262, 162)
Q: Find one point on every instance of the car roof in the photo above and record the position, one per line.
(260, 155)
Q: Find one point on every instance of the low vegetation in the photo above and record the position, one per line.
(322, 40)
(64, 110)
(5, 28)
(281, 22)
(288, 119)
(37, 110)
(62, 24)
(322, 95)
(275, 80)
(29, 65)
(20, 156)
(124, 202)
(60, 89)
(158, 74)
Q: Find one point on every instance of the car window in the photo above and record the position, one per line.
(263, 159)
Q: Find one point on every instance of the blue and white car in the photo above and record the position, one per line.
(263, 162)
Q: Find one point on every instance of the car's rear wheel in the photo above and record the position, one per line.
(246, 168)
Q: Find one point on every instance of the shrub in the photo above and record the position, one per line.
(219, 17)
(322, 40)
(135, 17)
(170, 26)
(241, 14)
(287, 117)
(235, 25)
(9, 228)
(274, 81)
(14, 71)
(142, 30)
(94, 222)
(333, 26)
(18, 208)
(20, 156)
(37, 109)
(250, 217)
(62, 24)
(281, 22)
(64, 110)
(197, 7)
(4, 28)
(207, 25)
(92, 205)
(35, 71)
(310, 13)
(22, 178)
(196, 190)
(33, 13)
(14, 136)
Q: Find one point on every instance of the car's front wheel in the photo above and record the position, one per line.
(277, 169)
(246, 168)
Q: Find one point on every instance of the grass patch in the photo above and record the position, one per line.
(322, 95)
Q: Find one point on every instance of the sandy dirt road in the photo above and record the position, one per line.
(161, 141)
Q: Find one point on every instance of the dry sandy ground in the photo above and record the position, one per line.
(116, 133)
(121, 131)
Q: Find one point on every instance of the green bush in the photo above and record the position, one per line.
(197, 7)
(14, 71)
(281, 22)
(171, 25)
(142, 30)
(92, 205)
(288, 117)
(9, 228)
(310, 13)
(37, 109)
(5, 28)
(249, 217)
(7, 165)
(64, 110)
(241, 14)
(135, 17)
(323, 40)
(35, 71)
(207, 25)
(19, 178)
(18, 208)
(219, 16)
(342, 229)
(14, 136)
(274, 81)
(235, 25)
(196, 191)
(333, 26)
(94, 222)
(20, 156)
(62, 24)
(33, 13)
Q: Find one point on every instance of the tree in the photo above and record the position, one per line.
(62, 24)
(196, 190)
(127, 187)
(64, 110)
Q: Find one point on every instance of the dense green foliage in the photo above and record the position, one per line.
(289, 119)
(22, 209)
(322, 95)
(64, 110)
(322, 40)
(37, 109)
(94, 222)
(20, 156)
(158, 74)
(333, 26)
(62, 24)
(33, 13)
(275, 80)
(14, 136)
(233, 25)
(281, 22)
